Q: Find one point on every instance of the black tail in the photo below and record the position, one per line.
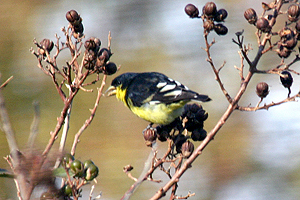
(202, 97)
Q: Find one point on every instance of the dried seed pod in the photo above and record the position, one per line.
(210, 9)
(191, 10)
(291, 43)
(293, 12)
(208, 25)
(286, 33)
(283, 52)
(47, 46)
(288, 38)
(72, 16)
(220, 15)
(286, 79)
(92, 44)
(220, 29)
(262, 89)
(187, 149)
(149, 136)
(89, 60)
(250, 16)
(263, 25)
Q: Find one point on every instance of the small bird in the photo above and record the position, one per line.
(153, 96)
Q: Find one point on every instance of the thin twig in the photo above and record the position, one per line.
(34, 126)
(88, 121)
(6, 82)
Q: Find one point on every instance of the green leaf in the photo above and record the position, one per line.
(61, 172)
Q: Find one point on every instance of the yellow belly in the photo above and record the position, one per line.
(159, 113)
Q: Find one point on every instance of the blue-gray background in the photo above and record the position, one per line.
(255, 155)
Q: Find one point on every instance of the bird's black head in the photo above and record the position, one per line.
(123, 80)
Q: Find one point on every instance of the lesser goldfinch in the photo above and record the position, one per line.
(153, 96)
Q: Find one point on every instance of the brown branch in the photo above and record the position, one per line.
(216, 72)
(155, 164)
(267, 106)
(6, 82)
(60, 122)
(88, 121)
(34, 125)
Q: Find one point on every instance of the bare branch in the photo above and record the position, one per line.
(34, 126)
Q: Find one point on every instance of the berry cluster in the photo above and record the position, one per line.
(210, 14)
(96, 58)
(85, 171)
(76, 22)
(75, 174)
(191, 120)
(289, 35)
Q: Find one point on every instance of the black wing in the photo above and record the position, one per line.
(155, 88)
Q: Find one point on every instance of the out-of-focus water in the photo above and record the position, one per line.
(254, 156)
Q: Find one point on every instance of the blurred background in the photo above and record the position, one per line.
(255, 156)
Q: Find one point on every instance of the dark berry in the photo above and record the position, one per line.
(286, 79)
(220, 29)
(110, 68)
(104, 54)
(191, 10)
(198, 134)
(78, 28)
(263, 25)
(220, 15)
(262, 89)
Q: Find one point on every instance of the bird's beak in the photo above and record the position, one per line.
(111, 91)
